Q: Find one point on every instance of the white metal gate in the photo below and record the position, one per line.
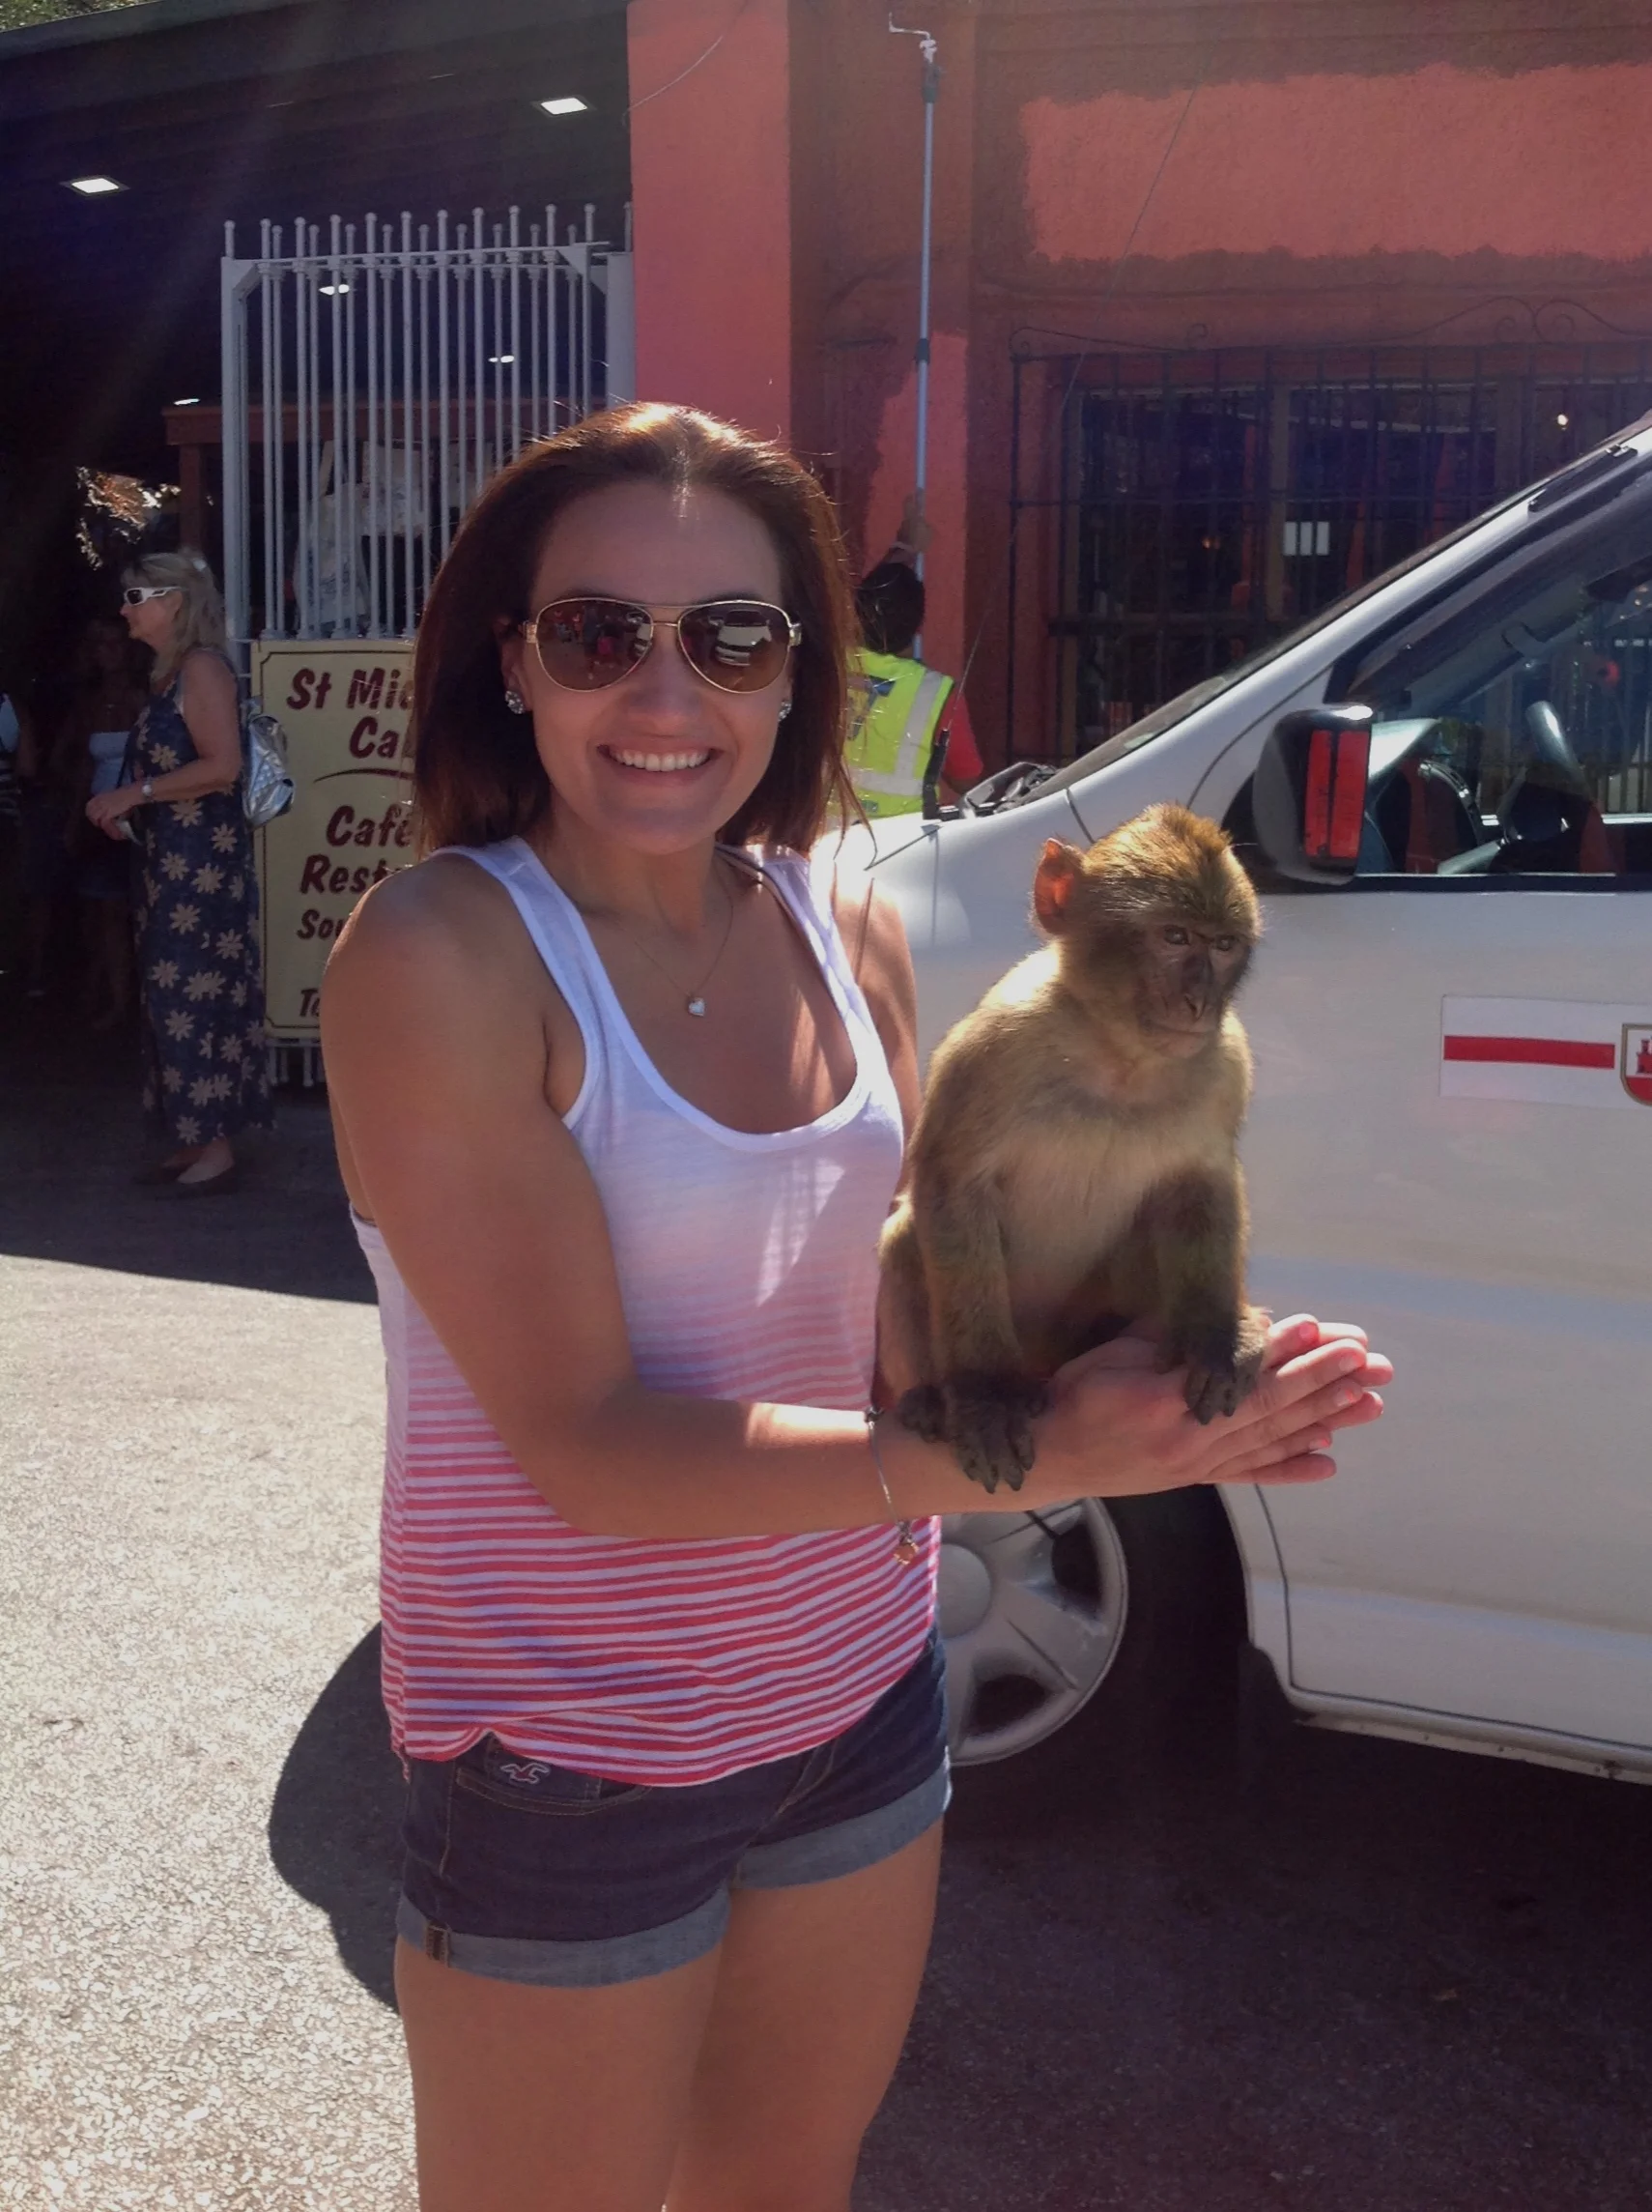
(384, 377)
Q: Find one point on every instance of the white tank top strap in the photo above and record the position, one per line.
(559, 938)
(804, 885)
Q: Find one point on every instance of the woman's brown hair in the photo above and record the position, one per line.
(477, 777)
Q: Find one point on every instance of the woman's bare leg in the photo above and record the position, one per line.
(816, 1987)
(549, 2100)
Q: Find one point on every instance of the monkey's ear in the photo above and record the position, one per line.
(1059, 870)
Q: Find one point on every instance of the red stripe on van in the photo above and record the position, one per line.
(1532, 1051)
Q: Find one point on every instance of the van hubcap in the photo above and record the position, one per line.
(1032, 1615)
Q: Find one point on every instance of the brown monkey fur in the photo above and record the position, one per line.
(1073, 1168)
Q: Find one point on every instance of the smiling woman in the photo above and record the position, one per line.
(619, 1079)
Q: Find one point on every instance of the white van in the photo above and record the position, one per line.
(1445, 787)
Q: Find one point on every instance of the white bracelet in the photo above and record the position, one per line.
(906, 1546)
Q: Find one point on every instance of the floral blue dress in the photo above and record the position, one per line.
(196, 915)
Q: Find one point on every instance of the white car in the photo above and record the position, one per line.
(1445, 787)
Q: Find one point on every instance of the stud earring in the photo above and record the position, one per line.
(516, 703)
(784, 709)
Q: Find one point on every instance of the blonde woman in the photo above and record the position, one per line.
(197, 900)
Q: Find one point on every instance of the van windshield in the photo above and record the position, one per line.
(1174, 710)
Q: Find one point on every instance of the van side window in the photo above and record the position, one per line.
(1515, 739)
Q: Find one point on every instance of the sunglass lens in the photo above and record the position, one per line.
(735, 645)
(586, 644)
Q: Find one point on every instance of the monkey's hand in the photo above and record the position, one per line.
(1223, 1360)
(987, 1420)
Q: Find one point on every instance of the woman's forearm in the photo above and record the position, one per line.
(644, 1463)
(648, 1464)
(192, 781)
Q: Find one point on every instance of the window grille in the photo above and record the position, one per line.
(1173, 512)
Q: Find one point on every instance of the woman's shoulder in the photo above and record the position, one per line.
(435, 960)
(204, 676)
(441, 914)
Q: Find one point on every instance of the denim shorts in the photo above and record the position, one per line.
(522, 1871)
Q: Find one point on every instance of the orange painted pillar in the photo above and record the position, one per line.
(711, 197)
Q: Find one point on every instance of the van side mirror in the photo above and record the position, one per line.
(1308, 799)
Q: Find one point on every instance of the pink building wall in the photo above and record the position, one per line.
(1340, 176)
(711, 192)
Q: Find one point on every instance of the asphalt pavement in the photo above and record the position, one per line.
(1214, 1973)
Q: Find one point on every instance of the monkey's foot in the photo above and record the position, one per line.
(989, 1424)
(1223, 1362)
(923, 1411)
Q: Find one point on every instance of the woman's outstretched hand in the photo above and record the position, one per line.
(1115, 1427)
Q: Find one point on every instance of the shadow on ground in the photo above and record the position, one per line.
(71, 1135)
(1304, 1973)
(334, 1825)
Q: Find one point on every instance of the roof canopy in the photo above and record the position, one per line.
(208, 110)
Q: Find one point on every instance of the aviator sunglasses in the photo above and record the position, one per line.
(135, 594)
(735, 645)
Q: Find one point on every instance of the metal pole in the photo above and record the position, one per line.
(460, 357)
(303, 560)
(554, 423)
(233, 367)
(405, 611)
(370, 281)
(312, 243)
(586, 302)
(275, 428)
(269, 417)
(931, 87)
(345, 468)
(424, 411)
(496, 356)
(515, 335)
(534, 331)
(478, 351)
(336, 279)
(442, 415)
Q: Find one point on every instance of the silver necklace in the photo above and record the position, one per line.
(694, 1002)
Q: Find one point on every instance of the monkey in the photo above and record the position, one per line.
(1073, 1167)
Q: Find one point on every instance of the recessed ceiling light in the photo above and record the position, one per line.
(186, 403)
(497, 361)
(92, 186)
(1564, 420)
(329, 291)
(568, 105)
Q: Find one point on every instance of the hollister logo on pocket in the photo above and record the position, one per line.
(1635, 1063)
(528, 1770)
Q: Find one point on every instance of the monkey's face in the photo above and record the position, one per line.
(1186, 967)
(657, 761)
(1156, 925)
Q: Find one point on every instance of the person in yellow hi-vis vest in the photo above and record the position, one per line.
(901, 708)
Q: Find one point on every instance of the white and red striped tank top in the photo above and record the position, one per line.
(749, 1269)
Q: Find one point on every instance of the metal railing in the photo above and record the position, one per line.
(384, 375)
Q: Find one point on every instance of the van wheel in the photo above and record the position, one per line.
(1113, 1611)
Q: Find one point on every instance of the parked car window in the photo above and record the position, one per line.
(1518, 741)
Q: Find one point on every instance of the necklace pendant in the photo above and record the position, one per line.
(906, 1545)
(695, 1004)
